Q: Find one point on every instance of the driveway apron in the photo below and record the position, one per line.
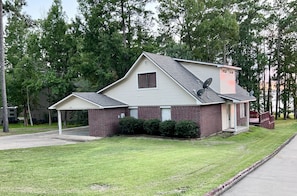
(50, 138)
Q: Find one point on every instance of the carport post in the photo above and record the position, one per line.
(60, 122)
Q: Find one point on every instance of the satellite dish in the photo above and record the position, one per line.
(207, 83)
(200, 92)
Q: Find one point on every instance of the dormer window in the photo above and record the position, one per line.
(147, 80)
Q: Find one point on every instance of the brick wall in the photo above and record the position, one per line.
(241, 121)
(186, 113)
(210, 120)
(104, 122)
(149, 112)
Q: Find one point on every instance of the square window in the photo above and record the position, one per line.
(147, 80)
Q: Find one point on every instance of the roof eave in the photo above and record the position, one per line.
(210, 64)
(234, 100)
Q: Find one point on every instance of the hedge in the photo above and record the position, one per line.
(152, 126)
(187, 129)
(167, 128)
(170, 128)
(130, 125)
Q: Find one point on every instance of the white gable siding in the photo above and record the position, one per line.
(203, 72)
(74, 103)
(223, 79)
(167, 91)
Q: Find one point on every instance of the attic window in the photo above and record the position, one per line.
(147, 80)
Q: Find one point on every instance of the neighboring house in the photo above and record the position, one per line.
(162, 87)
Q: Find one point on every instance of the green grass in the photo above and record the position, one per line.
(137, 165)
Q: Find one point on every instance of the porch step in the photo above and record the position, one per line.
(239, 130)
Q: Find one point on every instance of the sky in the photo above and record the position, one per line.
(38, 9)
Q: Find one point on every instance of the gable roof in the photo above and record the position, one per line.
(173, 68)
(99, 100)
(184, 78)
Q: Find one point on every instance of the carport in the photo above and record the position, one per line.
(104, 110)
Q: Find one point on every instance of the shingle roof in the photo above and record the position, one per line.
(99, 99)
(184, 78)
(240, 95)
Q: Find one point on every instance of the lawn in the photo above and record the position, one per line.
(137, 165)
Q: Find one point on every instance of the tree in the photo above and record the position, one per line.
(22, 75)
(283, 47)
(58, 48)
(248, 53)
(207, 28)
(114, 34)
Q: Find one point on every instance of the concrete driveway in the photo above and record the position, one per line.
(51, 138)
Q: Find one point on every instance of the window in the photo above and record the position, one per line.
(242, 110)
(147, 80)
(166, 113)
(134, 112)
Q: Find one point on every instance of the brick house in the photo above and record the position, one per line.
(162, 87)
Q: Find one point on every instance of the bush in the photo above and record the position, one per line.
(152, 126)
(167, 128)
(130, 125)
(138, 128)
(187, 129)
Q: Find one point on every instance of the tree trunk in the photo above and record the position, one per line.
(49, 118)
(3, 82)
(29, 110)
(123, 24)
(269, 104)
(65, 118)
(278, 74)
(25, 116)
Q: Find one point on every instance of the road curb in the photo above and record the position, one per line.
(76, 138)
(228, 184)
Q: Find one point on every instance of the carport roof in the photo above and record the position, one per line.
(99, 100)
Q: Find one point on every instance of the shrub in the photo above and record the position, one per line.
(152, 126)
(130, 125)
(167, 128)
(187, 129)
(138, 128)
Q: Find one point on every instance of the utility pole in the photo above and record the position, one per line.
(2, 65)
